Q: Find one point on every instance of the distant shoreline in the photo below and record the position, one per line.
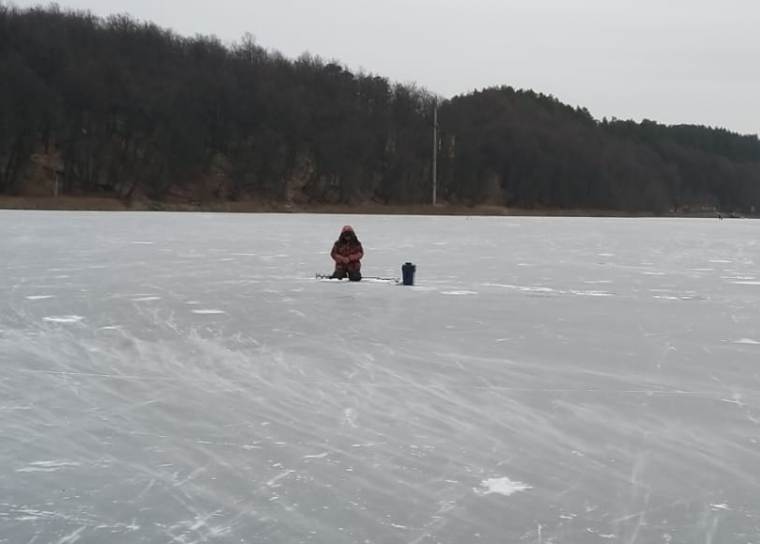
(89, 203)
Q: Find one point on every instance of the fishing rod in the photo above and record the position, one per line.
(377, 278)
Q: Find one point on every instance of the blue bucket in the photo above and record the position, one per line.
(407, 272)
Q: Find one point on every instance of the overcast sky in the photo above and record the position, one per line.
(675, 61)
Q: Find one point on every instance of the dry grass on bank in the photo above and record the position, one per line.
(99, 203)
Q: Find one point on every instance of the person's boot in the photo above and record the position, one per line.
(339, 274)
(355, 276)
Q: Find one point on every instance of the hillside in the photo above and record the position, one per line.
(121, 108)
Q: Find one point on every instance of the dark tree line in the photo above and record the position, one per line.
(530, 150)
(122, 107)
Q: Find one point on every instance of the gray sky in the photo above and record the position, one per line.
(675, 61)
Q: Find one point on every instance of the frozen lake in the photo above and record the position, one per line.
(182, 378)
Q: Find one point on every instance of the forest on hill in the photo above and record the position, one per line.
(124, 108)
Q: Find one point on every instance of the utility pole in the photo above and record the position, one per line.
(435, 152)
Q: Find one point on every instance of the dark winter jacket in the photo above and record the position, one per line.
(347, 249)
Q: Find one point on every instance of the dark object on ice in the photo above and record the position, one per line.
(347, 252)
(342, 273)
(407, 272)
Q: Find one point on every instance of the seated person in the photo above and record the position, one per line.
(347, 253)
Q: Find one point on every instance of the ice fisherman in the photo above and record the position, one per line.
(347, 253)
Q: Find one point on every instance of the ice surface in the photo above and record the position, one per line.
(183, 378)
